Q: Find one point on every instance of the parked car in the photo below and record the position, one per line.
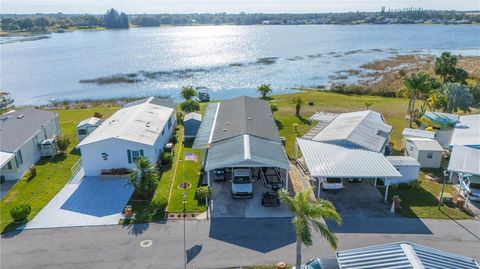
(219, 175)
(470, 187)
(355, 180)
(242, 183)
(332, 184)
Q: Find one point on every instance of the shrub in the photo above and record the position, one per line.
(311, 103)
(190, 106)
(167, 158)
(19, 213)
(33, 171)
(273, 107)
(159, 203)
(174, 139)
(403, 186)
(98, 115)
(180, 117)
(62, 143)
(204, 192)
(188, 92)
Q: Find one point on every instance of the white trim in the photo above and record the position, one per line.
(412, 256)
(246, 147)
(213, 124)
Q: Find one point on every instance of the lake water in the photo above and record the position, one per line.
(227, 60)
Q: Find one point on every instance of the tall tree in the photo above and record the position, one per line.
(114, 20)
(41, 22)
(188, 92)
(307, 216)
(458, 97)
(264, 90)
(144, 177)
(416, 84)
(445, 65)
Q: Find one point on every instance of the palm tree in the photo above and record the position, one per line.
(458, 96)
(416, 84)
(445, 65)
(308, 215)
(144, 177)
(264, 90)
(298, 102)
(432, 100)
(188, 92)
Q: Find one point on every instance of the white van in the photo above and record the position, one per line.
(242, 183)
(470, 186)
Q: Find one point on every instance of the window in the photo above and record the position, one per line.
(169, 123)
(429, 155)
(18, 158)
(82, 131)
(163, 131)
(133, 155)
(9, 165)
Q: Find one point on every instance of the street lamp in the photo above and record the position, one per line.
(184, 201)
(445, 175)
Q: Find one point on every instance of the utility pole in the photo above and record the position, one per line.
(445, 174)
(184, 201)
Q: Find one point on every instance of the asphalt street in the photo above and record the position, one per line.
(219, 243)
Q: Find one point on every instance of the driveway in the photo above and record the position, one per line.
(224, 206)
(358, 200)
(85, 201)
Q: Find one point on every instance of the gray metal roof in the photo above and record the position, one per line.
(246, 151)
(418, 133)
(426, 144)
(366, 129)
(244, 115)
(465, 159)
(205, 132)
(193, 116)
(403, 161)
(330, 160)
(16, 130)
(90, 121)
(402, 255)
(166, 102)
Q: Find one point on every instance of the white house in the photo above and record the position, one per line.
(86, 127)
(21, 135)
(427, 152)
(140, 128)
(408, 167)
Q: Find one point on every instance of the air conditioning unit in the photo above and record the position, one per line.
(48, 148)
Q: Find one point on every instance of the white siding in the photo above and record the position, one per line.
(409, 173)
(422, 156)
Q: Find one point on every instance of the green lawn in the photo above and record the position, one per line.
(423, 202)
(52, 173)
(393, 109)
(187, 171)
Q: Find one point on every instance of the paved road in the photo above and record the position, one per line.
(220, 243)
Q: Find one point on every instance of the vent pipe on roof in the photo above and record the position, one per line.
(20, 116)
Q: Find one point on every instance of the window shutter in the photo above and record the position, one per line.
(129, 153)
(141, 152)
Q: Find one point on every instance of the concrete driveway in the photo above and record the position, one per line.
(224, 206)
(358, 200)
(85, 201)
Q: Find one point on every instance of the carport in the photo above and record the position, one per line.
(325, 160)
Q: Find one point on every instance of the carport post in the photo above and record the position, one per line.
(318, 187)
(375, 182)
(286, 179)
(208, 177)
(386, 188)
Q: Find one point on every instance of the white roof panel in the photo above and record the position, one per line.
(402, 255)
(193, 116)
(323, 116)
(426, 144)
(418, 133)
(465, 159)
(366, 129)
(141, 123)
(403, 161)
(89, 121)
(5, 157)
(467, 131)
(329, 160)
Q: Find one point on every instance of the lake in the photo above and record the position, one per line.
(226, 61)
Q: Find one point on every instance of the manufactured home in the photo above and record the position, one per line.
(140, 128)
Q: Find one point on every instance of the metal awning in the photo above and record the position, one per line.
(465, 159)
(402, 255)
(246, 151)
(5, 157)
(205, 132)
(330, 160)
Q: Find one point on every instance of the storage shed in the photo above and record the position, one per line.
(408, 167)
(191, 124)
(86, 127)
(427, 152)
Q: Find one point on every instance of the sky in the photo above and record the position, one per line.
(229, 6)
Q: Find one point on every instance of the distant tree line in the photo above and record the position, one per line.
(39, 22)
(114, 19)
